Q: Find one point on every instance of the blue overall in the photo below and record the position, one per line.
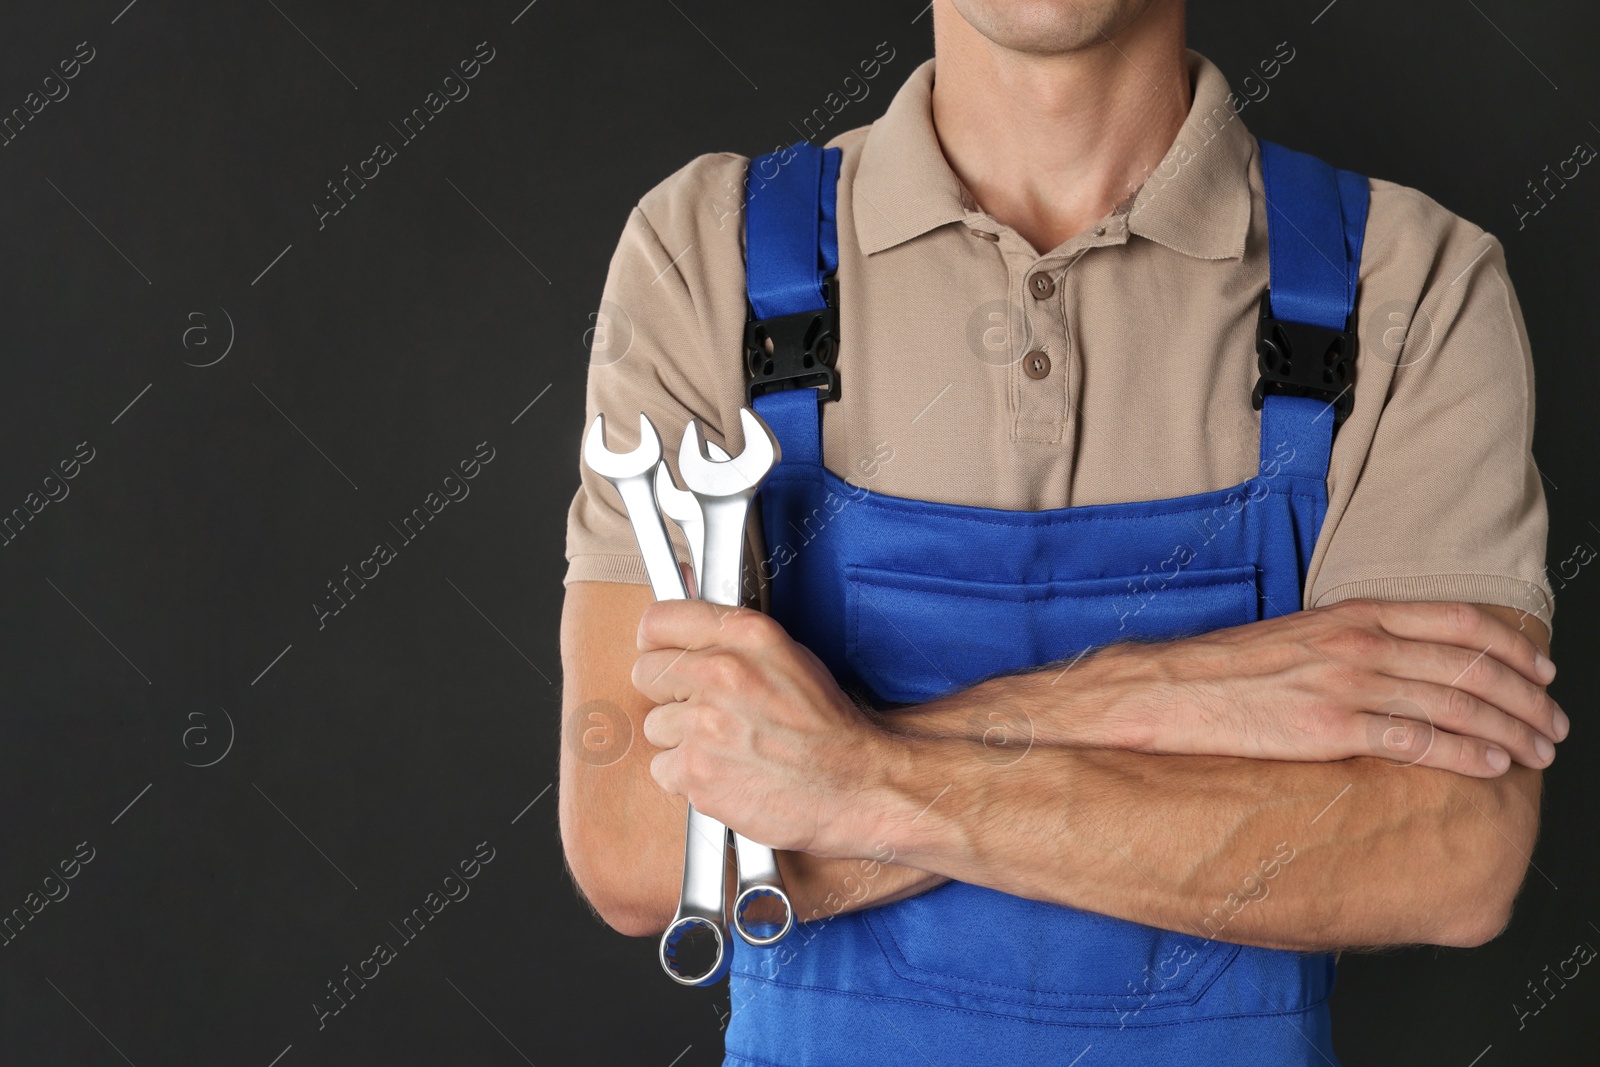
(907, 600)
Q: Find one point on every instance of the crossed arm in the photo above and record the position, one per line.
(1359, 753)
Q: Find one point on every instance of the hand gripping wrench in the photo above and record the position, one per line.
(693, 948)
(762, 913)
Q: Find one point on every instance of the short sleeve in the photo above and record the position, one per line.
(665, 342)
(1448, 501)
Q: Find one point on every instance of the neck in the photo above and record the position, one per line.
(1048, 143)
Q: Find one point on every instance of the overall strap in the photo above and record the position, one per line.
(791, 254)
(1305, 340)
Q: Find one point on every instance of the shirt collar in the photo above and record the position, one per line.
(1196, 201)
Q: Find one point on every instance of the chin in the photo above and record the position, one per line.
(1050, 27)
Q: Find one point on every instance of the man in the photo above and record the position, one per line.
(1051, 260)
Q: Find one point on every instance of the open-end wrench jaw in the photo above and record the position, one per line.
(609, 464)
(742, 473)
(630, 475)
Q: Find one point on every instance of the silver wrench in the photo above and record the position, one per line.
(762, 913)
(683, 508)
(693, 948)
(760, 883)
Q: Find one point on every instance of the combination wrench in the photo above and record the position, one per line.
(762, 913)
(693, 948)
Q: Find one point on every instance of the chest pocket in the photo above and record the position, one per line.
(911, 638)
(914, 637)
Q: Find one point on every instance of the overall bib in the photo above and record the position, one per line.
(906, 600)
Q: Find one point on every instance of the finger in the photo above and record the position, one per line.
(663, 726)
(1417, 744)
(1480, 674)
(661, 675)
(680, 624)
(664, 769)
(1466, 626)
(1461, 713)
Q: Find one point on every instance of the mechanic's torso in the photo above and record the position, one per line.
(906, 600)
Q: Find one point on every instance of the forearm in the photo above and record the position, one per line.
(820, 888)
(1043, 706)
(632, 867)
(1381, 853)
(623, 833)
(1321, 685)
(1377, 853)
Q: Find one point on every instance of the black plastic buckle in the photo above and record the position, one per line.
(793, 351)
(1299, 359)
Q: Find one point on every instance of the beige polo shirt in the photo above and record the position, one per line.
(1148, 322)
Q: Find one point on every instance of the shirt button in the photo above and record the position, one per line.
(985, 234)
(1041, 285)
(1036, 365)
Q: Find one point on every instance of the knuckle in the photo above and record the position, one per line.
(749, 627)
(720, 671)
(1522, 739)
(1360, 735)
(1461, 618)
(714, 724)
(1476, 669)
(1363, 607)
(1470, 757)
(1402, 737)
(1361, 611)
(1321, 721)
(694, 769)
(1457, 706)
(1356, 642)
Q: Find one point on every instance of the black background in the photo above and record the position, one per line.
(160, 615)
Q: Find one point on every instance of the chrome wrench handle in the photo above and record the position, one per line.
(693, 949)
(683, 508)
(660, 562)
(762, 911)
